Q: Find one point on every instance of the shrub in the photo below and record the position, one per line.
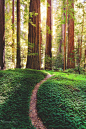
(48, 62)
(69, 71)
(58, 62)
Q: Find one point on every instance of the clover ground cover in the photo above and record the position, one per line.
(15, 90)
(61, 101)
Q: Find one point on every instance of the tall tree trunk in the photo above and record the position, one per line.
(64, 31)
(40, 43)
(33, 58)
(71, 58)
(48, 54)
(63, 18)
(18, 63)
(82, 36)
(13, 57)
(2, 34)
(85, 59)
(78, 53)
(85, 56)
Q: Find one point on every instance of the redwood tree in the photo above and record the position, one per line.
(34, 46)
(18, 63)
(48, 54)
(2, 34)
(71, 60)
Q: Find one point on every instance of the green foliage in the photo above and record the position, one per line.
(79, 69)
(15, 90)
(30, 47)
(61, 101)
(58, 61)
(48, 5)
(48, 62)
(31, 14)
(69, 71)
(76, 70)
(48, 29)
(43, 1)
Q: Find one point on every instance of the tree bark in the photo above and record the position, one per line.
(48, 53)
(2, 34)
(71, 58)
(34, 44)
(18, 63)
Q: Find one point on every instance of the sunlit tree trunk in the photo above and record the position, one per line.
(78, 53)
(48, 53)
(2, 34)
(18, 63)
(13, 58)
(63, 18)
(82, 36)
(71, 58)
(33, 58)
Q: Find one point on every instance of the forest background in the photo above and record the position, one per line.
(48, 34)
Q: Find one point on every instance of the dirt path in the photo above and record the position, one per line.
(33, 111)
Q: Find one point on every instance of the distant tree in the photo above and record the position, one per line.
(70, 58)
(18, 63)
(64, 26)
(13, 58)
(2, 34)
(48, 53)
(33, 58)
(82, 35)
(77, 52)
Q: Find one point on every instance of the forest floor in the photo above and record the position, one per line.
(16, 87)
(61, 100)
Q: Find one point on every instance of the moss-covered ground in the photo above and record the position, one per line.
(15, 90)
(61, 101)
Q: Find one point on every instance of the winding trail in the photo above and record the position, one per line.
(36, 121)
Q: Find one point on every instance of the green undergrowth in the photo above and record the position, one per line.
(15, 90)
(61, 101)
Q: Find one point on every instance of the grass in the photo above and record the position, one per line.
(61, 101)
(15, 90)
